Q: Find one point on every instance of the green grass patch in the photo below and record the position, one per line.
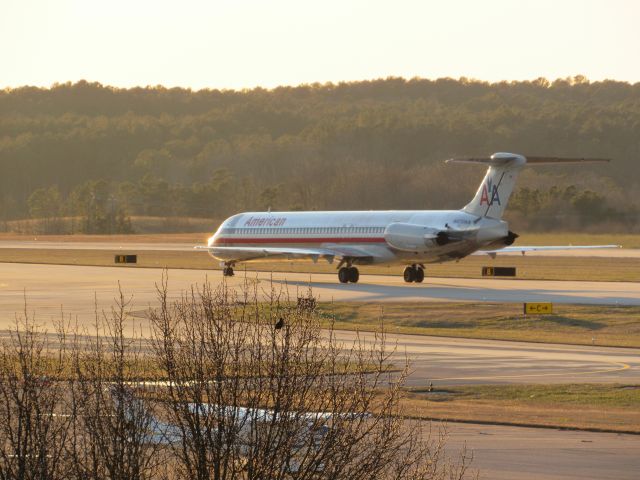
(590, 394)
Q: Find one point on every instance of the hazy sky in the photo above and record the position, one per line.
(242, 43)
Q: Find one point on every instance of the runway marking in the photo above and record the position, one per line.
(619, 367)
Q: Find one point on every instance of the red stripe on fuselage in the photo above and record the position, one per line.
(235, 240)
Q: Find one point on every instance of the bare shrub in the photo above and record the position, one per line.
(33, 427)
(113, 427)
(231, 384)
(250, 400)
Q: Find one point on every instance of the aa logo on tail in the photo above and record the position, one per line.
(489, 194)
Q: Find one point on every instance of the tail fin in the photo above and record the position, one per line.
(493, 195)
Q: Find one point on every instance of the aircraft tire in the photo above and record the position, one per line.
(419, 275)
(409, 274)
(227, 272)
(354, 275)
(343, 275)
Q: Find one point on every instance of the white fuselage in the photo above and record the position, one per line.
(387, 237)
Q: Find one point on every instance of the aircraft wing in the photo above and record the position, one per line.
(525, 249)
(243, 254)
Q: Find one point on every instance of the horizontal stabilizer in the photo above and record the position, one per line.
(483, 160)
(560, 160)
(493, 160)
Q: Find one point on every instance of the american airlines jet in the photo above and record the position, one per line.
(405, 237)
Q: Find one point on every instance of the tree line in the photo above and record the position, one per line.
(357, 145)
(214, 390)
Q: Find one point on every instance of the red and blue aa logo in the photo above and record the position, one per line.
(489, 194)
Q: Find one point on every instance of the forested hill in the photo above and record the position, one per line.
(89, 150)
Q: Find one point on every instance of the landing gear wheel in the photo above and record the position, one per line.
(227, 271)
(419, 275)
(343, 275)
(409, 274)
(348, 274)
(354, 275)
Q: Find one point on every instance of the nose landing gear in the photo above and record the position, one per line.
(227, 271)
(414, 273)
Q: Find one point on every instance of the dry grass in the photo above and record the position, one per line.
(200, 229)
(198, 238)
(571, 324)
(528, 267)
(627, 240)
(140, 223)
(583, 406)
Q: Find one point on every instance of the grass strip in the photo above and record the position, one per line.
(617, 326)
(527, 267)
(597, 407)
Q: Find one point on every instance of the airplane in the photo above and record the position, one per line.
(406, 237)
(309, 431)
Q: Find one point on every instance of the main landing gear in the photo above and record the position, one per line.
(414, 273)
(227, 271)
(348, 274)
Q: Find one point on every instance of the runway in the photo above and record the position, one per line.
(501, 452)
(458, 361)
(49, 286)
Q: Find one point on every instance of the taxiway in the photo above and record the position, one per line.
(52, 289)
(500, 452)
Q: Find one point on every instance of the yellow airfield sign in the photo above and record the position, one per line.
(538, 308)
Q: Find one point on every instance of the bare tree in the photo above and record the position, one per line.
(113, 426)
(33, 427)
(250, 400)
(247, 385)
